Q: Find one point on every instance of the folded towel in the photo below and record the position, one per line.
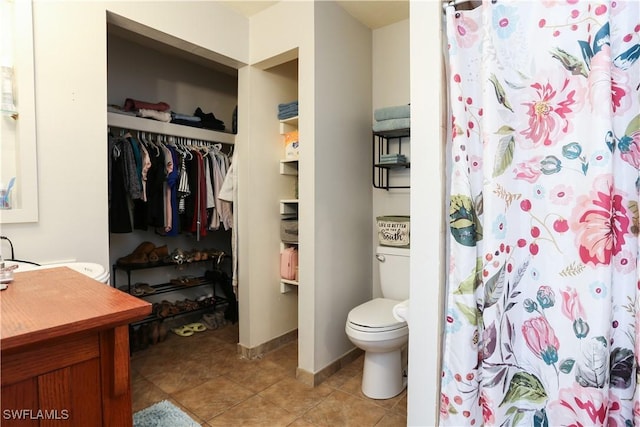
(391, 124)
(287, 115)
(397, 112)
(288, 105)
(392, 161)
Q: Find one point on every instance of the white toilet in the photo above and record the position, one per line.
(373, 328)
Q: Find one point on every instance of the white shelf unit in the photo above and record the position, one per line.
(288, 125)
(289, 168)
(288, 206)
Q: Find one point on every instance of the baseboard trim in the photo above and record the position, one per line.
(302, 375)
(257, 352)
(313, 380)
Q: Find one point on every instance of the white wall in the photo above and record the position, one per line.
(334, 52)
(265, 312)
(427, 213)
(71, 99)
(275, 38)
(390, 88)
(342, 157)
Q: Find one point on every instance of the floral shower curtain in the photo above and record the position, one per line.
(542, 323)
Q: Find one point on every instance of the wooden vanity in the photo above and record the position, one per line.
(64, 350)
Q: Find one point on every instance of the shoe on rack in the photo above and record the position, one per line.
(140, 254)
(178, 256)
(144, 288)
(136, 291)
(158, 254)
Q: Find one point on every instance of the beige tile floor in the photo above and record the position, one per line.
(204, 376)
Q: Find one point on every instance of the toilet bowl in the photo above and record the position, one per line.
(372, 328)
(93, 270)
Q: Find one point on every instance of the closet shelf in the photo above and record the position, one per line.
(289, 167)
(149, 125)
(288, 125)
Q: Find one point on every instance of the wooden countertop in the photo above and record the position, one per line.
(51, 303)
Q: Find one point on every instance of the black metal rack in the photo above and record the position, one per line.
(381, 171)
(162, 288)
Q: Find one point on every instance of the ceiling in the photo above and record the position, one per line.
(372, 13)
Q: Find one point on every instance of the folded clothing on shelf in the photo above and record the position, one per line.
(287, 110)
(135, 105)
(395, 112)
(209, 121)
(161, 116)
(185, 117)
(391, 124)
(186, 120)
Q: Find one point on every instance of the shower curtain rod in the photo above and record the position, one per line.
(453, 3)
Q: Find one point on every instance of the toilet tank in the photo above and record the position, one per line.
(393, 264)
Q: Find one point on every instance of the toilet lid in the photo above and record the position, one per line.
(377, 313)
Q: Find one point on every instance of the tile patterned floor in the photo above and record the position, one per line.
(204, 376)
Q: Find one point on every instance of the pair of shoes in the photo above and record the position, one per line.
(189, 329)
(158, 254)
(140, 254)
(164, 309)
(206, 300)
(177, 257)
(220, 320)
(187, 305)
(209, 320)
(141, 289)
(186, 281)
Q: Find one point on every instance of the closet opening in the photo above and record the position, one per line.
(172, 121)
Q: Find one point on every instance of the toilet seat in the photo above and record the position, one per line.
(375, 316)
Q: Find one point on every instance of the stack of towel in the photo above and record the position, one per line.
(392, 118)
(288, 110)
(387, 159)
